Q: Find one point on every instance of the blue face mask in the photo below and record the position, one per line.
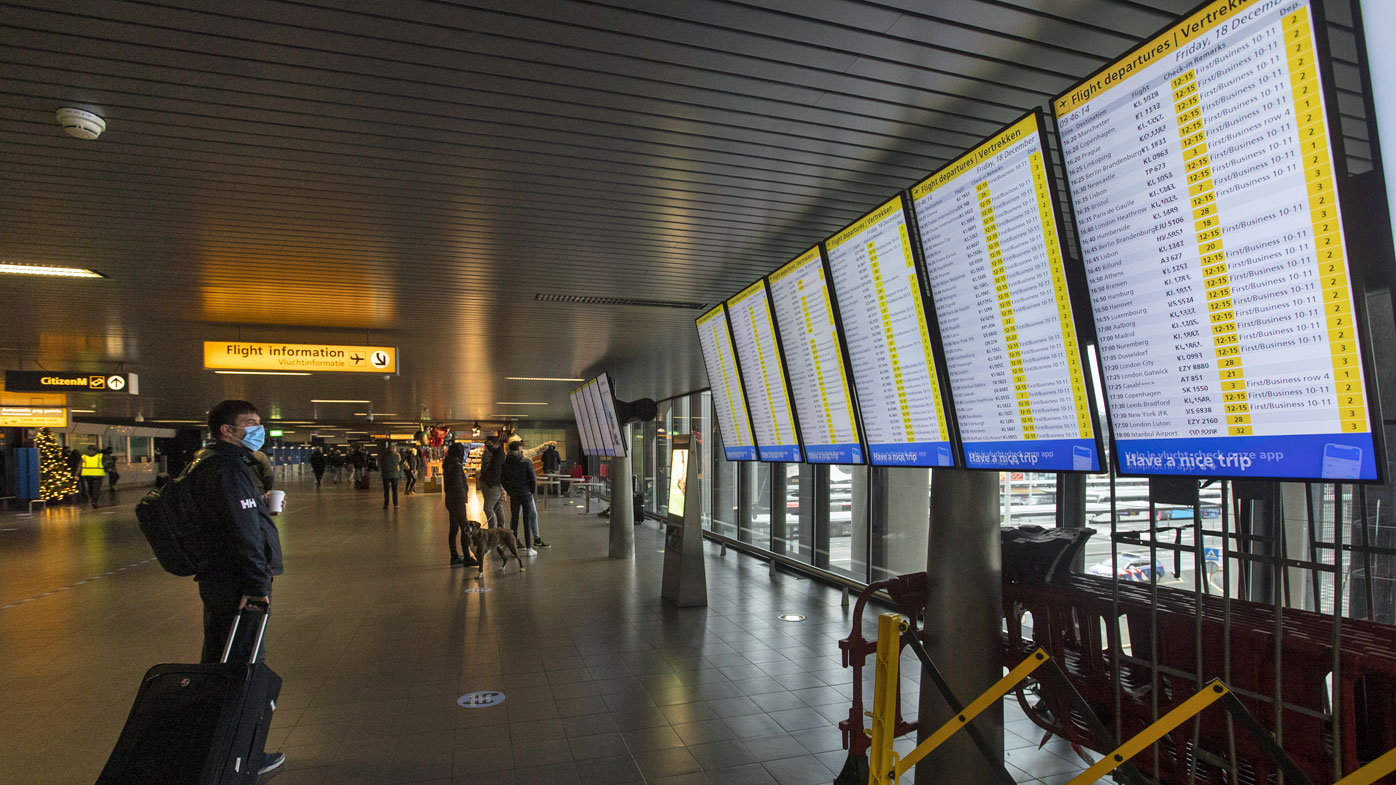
(255, 437)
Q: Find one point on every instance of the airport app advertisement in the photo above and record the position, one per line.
(715, 340)
(881, 304)
(814, 355)
(993, 256)
(1203, 176)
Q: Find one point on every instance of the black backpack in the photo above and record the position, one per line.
(171, 519)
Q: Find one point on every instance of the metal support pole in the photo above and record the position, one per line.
(1071, 510)
(622, 511)
(746, 500)
(964, 611)
(778, 532)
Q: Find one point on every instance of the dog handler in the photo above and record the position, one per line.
(456, 493)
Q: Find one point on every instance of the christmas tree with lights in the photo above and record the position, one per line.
(55, 480)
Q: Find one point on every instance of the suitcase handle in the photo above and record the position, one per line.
(255, 609)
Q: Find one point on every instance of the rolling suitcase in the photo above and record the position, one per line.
(199, 724)
(362, 482)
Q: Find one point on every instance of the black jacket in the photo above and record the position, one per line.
(317, 461)
(518, 479)
(247, 547)
(492, 466)
(551, 460)
(453, 483)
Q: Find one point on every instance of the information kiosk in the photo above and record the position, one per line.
(685, 575)
(1204, 182)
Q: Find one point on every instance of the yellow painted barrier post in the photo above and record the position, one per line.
(984, 701)
(886, 688)
(1211, 693)
(1372, 771)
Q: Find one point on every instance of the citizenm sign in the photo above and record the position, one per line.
(71, 381)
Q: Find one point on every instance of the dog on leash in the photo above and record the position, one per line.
(483, 540)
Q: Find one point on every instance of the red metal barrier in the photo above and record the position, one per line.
(1072, 621)
(908, 593)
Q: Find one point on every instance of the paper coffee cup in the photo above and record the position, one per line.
(274, 501)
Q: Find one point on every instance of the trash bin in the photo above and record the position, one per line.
(1032, 554)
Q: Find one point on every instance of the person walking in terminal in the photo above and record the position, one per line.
(358, 459)
(94, 470)
(409, 471)
(491, 472)
(246, 547)
(336, 462)
(109, 466)
(520, 482)
(455, 488)
(390, 467)
(530, 456)
(317, 465)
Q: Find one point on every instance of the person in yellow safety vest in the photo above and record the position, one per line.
(94, 471)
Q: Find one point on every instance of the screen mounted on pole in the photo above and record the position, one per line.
(724, 377)
(882, 308)
(767, 392)
(1204, 182)
(816, 361)
(991, 241)
(610, 421)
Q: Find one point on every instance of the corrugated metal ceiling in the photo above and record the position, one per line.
(416, 172)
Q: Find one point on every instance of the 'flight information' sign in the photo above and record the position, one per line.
(1202, 176)
(715, 339)
(299, 357)
(814, 354)
(993, 254)
(758, 351)
(882, 306)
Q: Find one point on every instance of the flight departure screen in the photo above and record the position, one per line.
(593, 421)
(608, 415)
(993, 252)
(598, 418)
(767, 396)
(607, 445)
(1202, 175)
(728, 399)
(814, 355)
(583, 429)
(882, 307)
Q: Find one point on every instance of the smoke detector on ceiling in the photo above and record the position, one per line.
(79, 123)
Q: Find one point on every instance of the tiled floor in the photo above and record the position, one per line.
(376, 637)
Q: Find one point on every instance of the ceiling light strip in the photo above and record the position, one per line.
(50, 270)
(543, 379)
(264, 373)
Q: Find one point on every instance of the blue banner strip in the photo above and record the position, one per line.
(1299, 457)
(1045, 455)
(779, 452)
(740, 453)
(916, 454)
(833, 453)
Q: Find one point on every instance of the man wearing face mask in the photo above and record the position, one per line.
(247, 548)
